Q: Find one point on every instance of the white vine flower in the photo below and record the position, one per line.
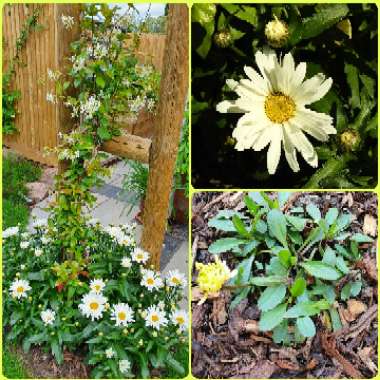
(48, 317)
(24, 244)
(274, 104)
(51, 98)
(38, 252)
(122, 314)
(89, 107)
(124, 366)
(67, 21)
(19, 288)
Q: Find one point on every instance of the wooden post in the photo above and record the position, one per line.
(173, 94)
(63, 39)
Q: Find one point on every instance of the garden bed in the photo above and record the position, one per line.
(227, 341)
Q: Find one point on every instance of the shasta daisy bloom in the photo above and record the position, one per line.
(93, 305)
(48, 317)
(24, 244)
(110, 353)
(175, 278)
(126, 262)
(122, 314)
(151, 280)
(155, 317)
(11, 231)
(274, 106)
(19, 288)
(124, 366)
(97, 286)
(179, 317)
(139, 255)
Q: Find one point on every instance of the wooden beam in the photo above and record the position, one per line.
(169, 120)
(129, 146)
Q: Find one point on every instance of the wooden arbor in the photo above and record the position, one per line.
(160, 152)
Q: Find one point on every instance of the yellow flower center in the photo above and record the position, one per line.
(97, 287)
(155, 318)
(180, 320)
(122, 316)
(175, 280)
(94, 306)
(150, 281)
(139, 256)
(279, 107)
(20, 289)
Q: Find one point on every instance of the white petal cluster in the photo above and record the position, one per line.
(274, 105)
(126, 262)
(93, 305)
(124, 366)
(97, 286)
(67, 21)
(175, 278)
(122, 314)
(24, 244)
(151, 280)
(48, 317)
(180, 318)
(89, 107)
(110, 353)
(140, 256)
(38, 252)
(19, 288)
(11, 231)
(123, 235)
(155, 317)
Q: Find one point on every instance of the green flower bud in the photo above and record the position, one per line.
(350, 140)
(223, 39)
(276, 32)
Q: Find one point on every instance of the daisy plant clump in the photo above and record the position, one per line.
(272, 82)
(294, 265)
(124, 315)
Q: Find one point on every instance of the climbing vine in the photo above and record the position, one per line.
(10, 96)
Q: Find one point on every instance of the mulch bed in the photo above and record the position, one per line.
(228, 344)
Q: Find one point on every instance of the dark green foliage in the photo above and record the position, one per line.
(16, 173)
(13, 367)
(315, 38)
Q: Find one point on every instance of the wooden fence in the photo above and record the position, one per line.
(38, 121)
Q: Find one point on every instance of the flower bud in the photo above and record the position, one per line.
(350, 140)
(125, 331)
(100, 333)
(276, 32)
(223, 39)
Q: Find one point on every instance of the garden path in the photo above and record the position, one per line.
(108, 209)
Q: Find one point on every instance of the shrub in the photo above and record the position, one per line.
(124, 316)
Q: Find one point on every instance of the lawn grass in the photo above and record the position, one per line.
(16, 173)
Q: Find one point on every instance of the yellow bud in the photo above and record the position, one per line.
(276, 32)
(154, 334)
(39, 306)
(100, 333)
(18, 274)
(132, 330)
(52, 333)
(63, 318)
(123, 275)
(125, 331)
(223, 39)
(350, 140)
(77, 324)
(30, 298)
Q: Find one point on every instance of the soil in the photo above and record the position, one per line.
(228, 344)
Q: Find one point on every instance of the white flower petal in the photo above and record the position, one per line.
(264, 137)
(257, 80)
(290, 151)
(230, 106)
(274, 151)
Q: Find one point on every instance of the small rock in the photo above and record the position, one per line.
(354, 309)
(370, 225)
(48, 175)
(37, 191)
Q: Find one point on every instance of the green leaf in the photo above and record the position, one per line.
(341, 265)
(277, 225)
(281, 333)
(298, 287)
(284, 256)
(297, 222)
(272, 318)
(57, 351)
(243, 12)
(329, 256)
(321, 270)
(306, 327)
(331, 216)
(356, 287)
(314, 212)
(268, 281)
(100, 81)
(225, 245)
(360, 238)
(174, 364)
(221, 224)
(204, 14)
(352, 74)
(240, 226)
(335, 319)
(104, 133)
(307, 309)
(240, 296)
(243, 271)
(271, 297)
(36, 276)
(345, 292)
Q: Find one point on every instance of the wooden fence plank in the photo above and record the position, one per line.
(173, 94)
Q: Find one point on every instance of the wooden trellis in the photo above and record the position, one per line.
(160, 152)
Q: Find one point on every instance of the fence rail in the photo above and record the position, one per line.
(38, 122)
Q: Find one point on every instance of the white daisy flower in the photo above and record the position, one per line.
(97, 286)
(161, 305)
(19, 288)
(93, 305)
(48, 317)
(38, 252)
(11, 231)
(126, 262)
(22, 266)
(274, 104)
(179, 317)
(155, 317)
(124, 366)
(176, 278)
(24, 244)
(151, 280)
(45, 240)
(39, 223)
(110, 353)
(122, 314)
(139, 255)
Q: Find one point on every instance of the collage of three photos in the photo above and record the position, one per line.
(189, 190)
